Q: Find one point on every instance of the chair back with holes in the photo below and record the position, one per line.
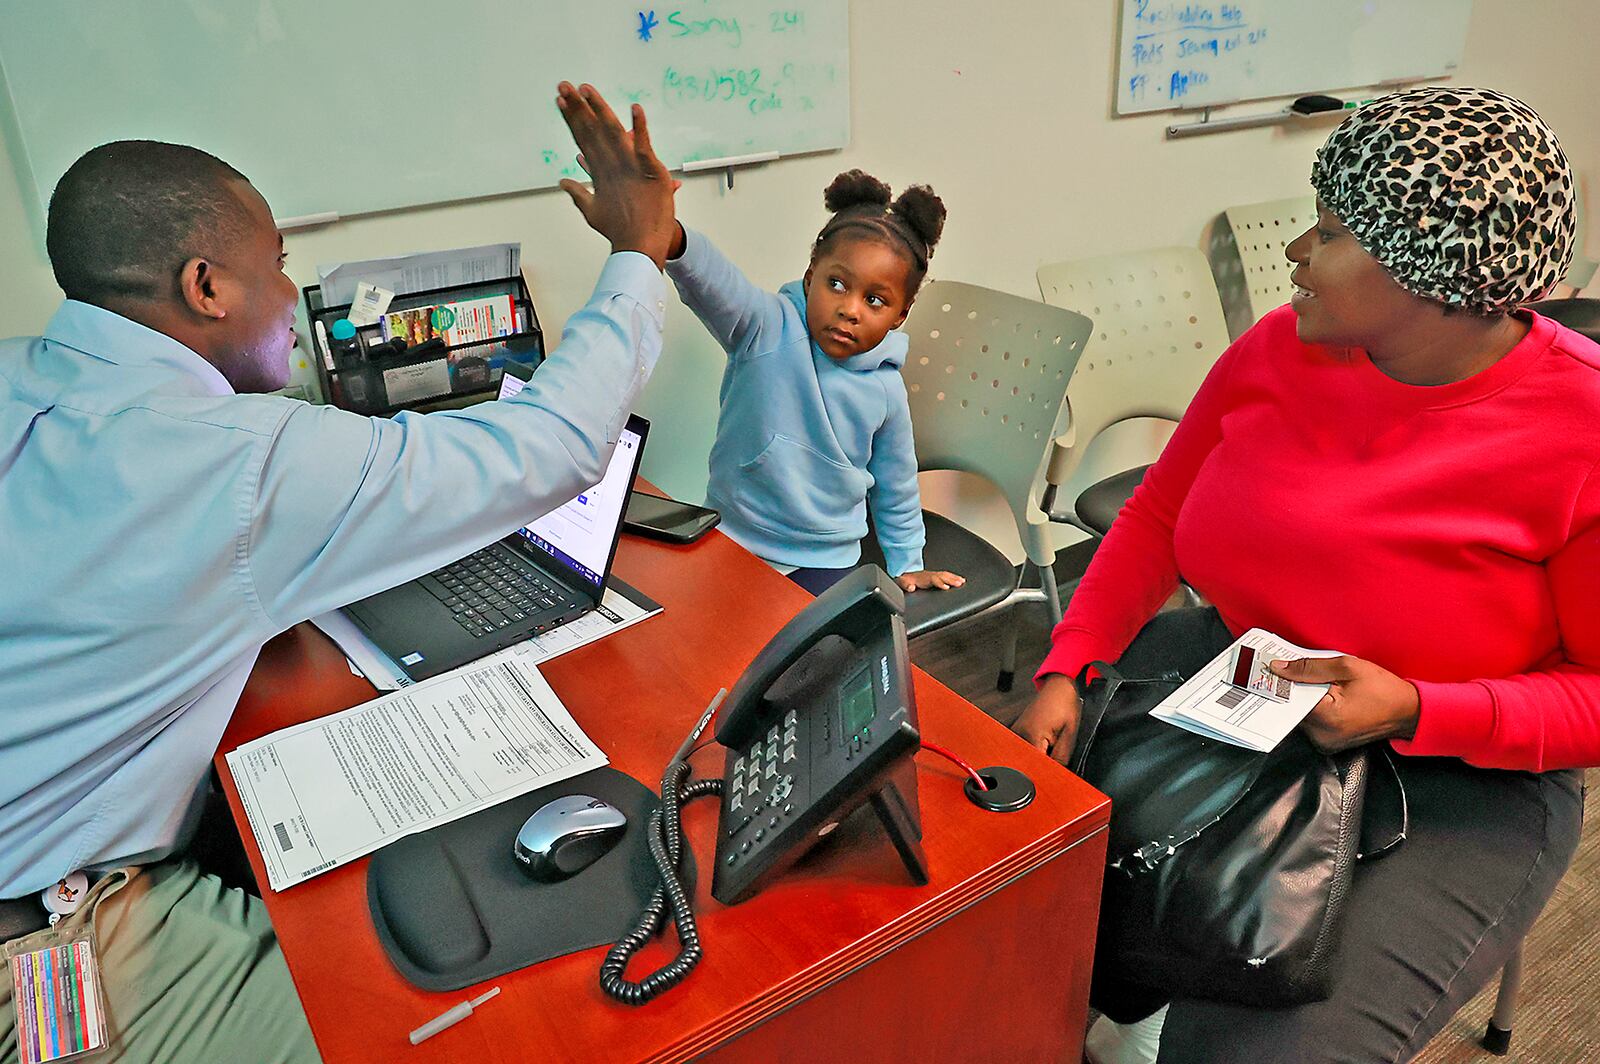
(1158, 328)
(1581, 315)
(986, 374)
(1261, 232)
(1581, 273)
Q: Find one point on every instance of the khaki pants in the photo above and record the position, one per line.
(191, 970)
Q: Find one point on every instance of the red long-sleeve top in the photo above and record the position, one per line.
(1450, 534)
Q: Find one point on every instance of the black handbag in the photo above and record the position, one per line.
(1227, 869)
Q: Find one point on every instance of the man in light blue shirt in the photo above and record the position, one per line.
(157, 526)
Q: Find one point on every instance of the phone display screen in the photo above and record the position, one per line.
(857, 708)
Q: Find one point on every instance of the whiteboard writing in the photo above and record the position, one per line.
(354, 108)
(1178, 54)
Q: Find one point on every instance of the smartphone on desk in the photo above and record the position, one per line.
(661, 518)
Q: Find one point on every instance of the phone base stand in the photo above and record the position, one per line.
(1009, 790)
(901, 823)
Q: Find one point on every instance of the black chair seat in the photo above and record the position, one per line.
(1100, 503)
(990, 575)
(1579, 315)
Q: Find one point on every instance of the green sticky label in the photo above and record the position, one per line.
(444, 319)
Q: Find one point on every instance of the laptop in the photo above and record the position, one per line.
(546, 574)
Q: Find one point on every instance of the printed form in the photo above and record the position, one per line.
(323, 793)
(1207, 704)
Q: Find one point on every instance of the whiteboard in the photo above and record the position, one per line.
(1173, 54)
(349, 108)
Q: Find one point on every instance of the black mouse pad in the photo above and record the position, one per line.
(452, 908)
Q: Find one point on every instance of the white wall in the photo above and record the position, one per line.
(1004, 108)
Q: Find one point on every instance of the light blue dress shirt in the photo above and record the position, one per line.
(156, 529)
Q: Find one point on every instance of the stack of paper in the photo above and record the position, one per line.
(1211, 706)
(420, 272)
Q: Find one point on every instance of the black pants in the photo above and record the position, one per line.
(1426, 927)
(817, 581)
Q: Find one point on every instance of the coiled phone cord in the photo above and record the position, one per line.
(664, 836)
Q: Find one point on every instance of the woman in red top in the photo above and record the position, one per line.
(1404, 467)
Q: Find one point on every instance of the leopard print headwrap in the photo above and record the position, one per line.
(1464, 195)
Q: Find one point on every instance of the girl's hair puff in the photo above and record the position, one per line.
(913, 222)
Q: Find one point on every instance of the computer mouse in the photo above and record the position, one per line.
(566, 835)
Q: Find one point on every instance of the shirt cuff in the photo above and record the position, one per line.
(1456, 720)
(901, 560)
(694, 248)
(1070, 652)
(634, 275)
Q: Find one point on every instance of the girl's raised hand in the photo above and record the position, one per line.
(929, 578)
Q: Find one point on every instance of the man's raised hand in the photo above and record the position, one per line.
(631, 202)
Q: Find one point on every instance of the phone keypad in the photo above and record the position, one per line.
(759, 785)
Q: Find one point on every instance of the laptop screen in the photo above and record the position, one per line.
(580, 535)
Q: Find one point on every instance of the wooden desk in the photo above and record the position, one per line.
(989, 961)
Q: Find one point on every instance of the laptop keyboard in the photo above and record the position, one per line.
(486, 591)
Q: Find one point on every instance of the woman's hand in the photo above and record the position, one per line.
(1050, 722)
(1365, 703)
(929, 578)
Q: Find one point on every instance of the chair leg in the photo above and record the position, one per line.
(1497, 1039)
(1008, 649)
(1052, 593)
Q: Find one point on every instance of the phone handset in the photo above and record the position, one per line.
(851, 609)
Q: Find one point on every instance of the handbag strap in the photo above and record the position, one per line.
(1093, 710)
(1390, 774)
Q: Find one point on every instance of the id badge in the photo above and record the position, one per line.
(60, 1007)
(1248, 671)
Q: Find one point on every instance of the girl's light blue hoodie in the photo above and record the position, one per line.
(804, 442)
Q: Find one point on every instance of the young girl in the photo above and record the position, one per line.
(814, 424)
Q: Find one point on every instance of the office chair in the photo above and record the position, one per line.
(1158, 327)
(1580, 274)
(1497, 1036)
(985, 376)
(1247, 256)
(1580, 315)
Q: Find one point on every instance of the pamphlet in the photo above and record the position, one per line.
(1209, 704)
(462, 322)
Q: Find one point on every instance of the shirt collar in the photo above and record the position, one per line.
(110, 337)
(1510, 368)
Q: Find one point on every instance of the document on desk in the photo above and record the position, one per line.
(323, 793)
(1208, 704)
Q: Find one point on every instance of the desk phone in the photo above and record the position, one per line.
(823, 721)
